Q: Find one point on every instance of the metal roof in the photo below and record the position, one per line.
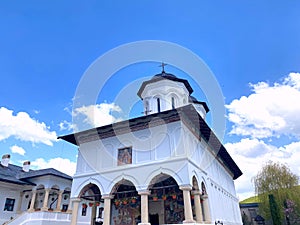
(44, 172)
(15, 174)
(164, 76)
(10, 174)
(192, 99)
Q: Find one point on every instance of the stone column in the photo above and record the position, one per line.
(59, 201)
(20, 202)
(188, 212)
(206, 208)
(107, 208)
(45, 204)
(31, 208)
(75, 203)
(198, 209)
(144, 207)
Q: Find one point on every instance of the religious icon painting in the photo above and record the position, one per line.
(124, 156)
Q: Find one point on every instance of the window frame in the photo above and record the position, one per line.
(9, 204)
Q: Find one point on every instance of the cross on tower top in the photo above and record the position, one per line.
(163, 66)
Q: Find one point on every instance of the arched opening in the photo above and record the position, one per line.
(147, 108)
(158, 104)
(53, 197)
(90, 204)
(126, 204)
(166, 201)
(39, 199)
(65, 201)
(196, 201)
(204, 204)
(173, 102)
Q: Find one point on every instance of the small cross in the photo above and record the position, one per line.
(163, 66)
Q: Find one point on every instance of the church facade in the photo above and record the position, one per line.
(166, 167)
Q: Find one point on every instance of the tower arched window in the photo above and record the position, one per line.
(173, 102)
(147, 108)
(158, 104)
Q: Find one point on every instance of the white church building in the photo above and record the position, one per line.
(29, 197)
(166, 167)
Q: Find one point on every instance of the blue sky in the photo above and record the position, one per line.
(45, 48)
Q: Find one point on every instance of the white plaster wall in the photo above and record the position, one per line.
(165, 90)
(157, 143)
(8, 191)
(224, 205)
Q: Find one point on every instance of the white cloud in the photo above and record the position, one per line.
(17, 149)
(96, 115)
(270, 111)
(252, 154)
(21, 126)
(65, 125)
(61, 164)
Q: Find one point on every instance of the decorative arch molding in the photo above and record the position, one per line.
(55, 186)
(205, 182)
(40, 186)
(119, 179)
(194, 175)
(163, 171)
(86, 182)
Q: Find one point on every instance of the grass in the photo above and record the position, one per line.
(253, 199)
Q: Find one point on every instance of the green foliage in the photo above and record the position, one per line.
(253, 199)
(275, 211)
(276, 179)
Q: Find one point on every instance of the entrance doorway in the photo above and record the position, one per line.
(165, 201)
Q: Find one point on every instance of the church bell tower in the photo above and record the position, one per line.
(165, 91)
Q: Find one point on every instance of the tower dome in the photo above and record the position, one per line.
(165, 91)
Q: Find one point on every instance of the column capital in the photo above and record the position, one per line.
(196, 192)
(107, 196)
(75, 199)
(186, 187)
(144, 192)
(204, 196)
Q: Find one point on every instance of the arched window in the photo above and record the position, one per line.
(147, 108)
(158, 105)
(173, 102)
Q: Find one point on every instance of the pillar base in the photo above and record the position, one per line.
(144, 223)
(44, 209)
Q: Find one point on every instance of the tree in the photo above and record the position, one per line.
(275, 211)
(277, 180)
